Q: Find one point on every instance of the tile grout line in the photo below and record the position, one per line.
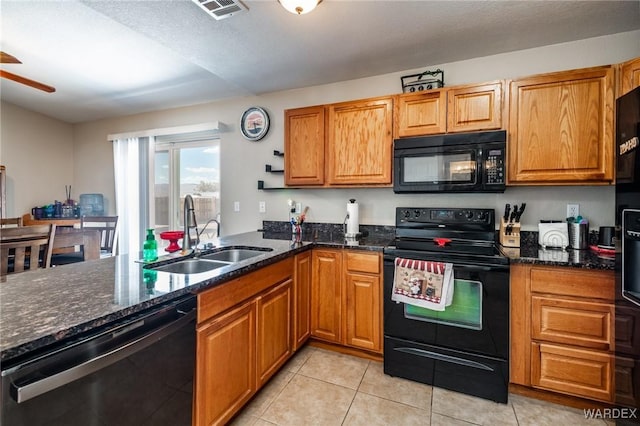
(346, 414)
(293, 375)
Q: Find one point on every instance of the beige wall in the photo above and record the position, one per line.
(243, 162)
(38, 153)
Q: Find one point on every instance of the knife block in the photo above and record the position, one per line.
(512, 239)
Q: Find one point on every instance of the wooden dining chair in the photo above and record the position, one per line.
(17, 221)
(108, 227)
(26, 248)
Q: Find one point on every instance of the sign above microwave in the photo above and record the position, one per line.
(423, 81)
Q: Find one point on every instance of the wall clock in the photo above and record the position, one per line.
(254, 124)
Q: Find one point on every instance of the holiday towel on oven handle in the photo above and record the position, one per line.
(423, 283)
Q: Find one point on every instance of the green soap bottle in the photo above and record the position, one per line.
(150, 247)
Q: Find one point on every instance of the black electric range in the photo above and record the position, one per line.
(464, 348)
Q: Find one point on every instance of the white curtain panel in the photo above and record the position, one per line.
(131, 162)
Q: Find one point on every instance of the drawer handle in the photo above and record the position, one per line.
(446, 358)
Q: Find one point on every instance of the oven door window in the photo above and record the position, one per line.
(440, 168)
(465, 310)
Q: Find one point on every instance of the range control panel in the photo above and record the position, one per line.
(411, 216)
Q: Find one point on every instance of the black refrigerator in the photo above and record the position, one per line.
(627, 324)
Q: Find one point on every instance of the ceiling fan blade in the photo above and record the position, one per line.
(5, 58)
(26, 81)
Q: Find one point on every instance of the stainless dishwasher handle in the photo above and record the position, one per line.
(24, 393)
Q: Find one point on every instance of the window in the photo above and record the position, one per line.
(182, 168)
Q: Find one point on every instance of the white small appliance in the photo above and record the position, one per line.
(553, 235)
(352, 220)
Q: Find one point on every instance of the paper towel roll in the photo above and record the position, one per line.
(353, 226)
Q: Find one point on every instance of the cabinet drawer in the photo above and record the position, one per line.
(225, 296)
(576, 323)
(573, 282)
(573, 371)
(362, 262)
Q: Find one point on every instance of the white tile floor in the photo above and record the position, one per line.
(320, 387)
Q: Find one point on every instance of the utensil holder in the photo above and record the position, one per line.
(579, 236)
(511, 239)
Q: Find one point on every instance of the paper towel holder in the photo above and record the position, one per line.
(351, 220)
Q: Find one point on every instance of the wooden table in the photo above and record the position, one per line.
(70, 237)
(28, 220)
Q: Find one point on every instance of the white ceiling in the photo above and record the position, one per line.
(116, 57)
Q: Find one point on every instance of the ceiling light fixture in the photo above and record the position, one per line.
(299, 7)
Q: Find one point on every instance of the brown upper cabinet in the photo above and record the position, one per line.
(360, 142)
(465, 108)
(561, 128)
(304, 146)
(342, 144)
(629, 75)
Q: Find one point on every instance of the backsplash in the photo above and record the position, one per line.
(325, 228)
(310, 228)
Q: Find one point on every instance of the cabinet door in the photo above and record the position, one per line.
(420, 114)
(561, 128)
(326, 299)
(302, 299)
(274, 330)
(225, 365)
(474, 108)
(572, 322)
(363, 311)
(304, 137)
(629, 75)
(574, 371)
(360, 142)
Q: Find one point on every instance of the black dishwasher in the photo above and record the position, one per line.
(136, 372)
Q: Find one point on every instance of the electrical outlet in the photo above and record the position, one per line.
(573, 210)
(236, 206)
(262, 207)
(298, 207)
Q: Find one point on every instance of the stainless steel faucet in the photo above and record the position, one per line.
(217, 227)
(189, 220)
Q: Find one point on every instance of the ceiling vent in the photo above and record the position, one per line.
(221, 9)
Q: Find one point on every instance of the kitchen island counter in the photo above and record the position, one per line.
(48, 306)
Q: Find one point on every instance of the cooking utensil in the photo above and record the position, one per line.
(304, 214)
(519, 215)
(513, 213)
(507, 210)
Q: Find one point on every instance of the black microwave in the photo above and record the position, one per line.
(463, 162)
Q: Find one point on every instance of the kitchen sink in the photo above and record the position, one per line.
(191, 266)
(235, 254)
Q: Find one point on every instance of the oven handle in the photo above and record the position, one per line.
(389, 260)
(443, 357)
(24, 393)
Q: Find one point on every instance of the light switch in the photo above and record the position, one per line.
(236, 206)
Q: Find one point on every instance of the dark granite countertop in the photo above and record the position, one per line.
(530, 252)
(43, 307)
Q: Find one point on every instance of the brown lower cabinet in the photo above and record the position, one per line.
(562, 330)
(250, 326)
(244, 335)
(346, 298)
(302, 297)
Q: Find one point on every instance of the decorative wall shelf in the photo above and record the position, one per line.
(263, 188)
(268, 168)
